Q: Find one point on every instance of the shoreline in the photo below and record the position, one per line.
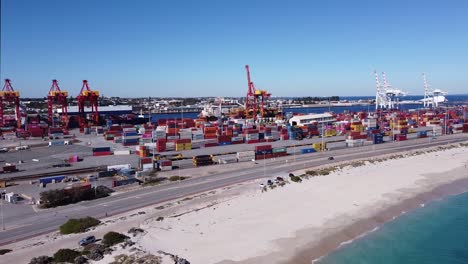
(360, 229)
(295, 224)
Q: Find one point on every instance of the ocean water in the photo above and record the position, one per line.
(434, 234)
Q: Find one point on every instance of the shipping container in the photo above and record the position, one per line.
(102, 149)
(51, 179)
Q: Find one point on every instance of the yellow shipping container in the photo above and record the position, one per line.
(318, 146)
(2, 184)
(179, 147)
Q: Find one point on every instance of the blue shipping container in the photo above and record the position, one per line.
(47, 180)
(307, 150)
(102, 149)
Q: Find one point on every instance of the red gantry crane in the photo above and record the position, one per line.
(87, 95)
(57, 97)
(255, 100)
(9, 96)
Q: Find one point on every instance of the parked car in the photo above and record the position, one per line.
(279, 179)
(331, 158)
(3, 149)
(87, 240)
(269, 182)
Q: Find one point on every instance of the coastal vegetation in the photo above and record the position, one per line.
(78, 225)
(4, 251)
(60, 197)
(113, 238)
(66, 255)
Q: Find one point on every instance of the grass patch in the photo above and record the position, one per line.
(78, 225)
(113, 238)
(177, 178)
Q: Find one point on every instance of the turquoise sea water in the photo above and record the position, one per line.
(436, 233)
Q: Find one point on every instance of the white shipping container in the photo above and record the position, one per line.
(245, 154)
(122, 152)
(147, 166)
(166, 168)
(119, 167)
(246, 158)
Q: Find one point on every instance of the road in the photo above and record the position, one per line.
(43, 221)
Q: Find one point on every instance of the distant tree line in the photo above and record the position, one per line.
(311, 100)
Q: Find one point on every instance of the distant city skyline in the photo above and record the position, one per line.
(200, 48)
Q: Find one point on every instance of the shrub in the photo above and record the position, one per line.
(66, 255)
(177, 178)
(78, 225)
(135, 231)
(312, 173)
(41, 260)
(94, 251)
(4, 251)
(113, 238)
(296, 179)
(80, 260)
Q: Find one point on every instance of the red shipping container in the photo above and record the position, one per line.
(252, 141)
(146, 160)
(262, 147)
(103, 153)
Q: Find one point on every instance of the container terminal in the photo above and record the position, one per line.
(88, 138)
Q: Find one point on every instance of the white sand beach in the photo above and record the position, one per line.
(244, 224)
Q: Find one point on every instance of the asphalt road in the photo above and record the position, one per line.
(43, 221)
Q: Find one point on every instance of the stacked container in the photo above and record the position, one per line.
(224, 140)
(251, 136)
(377, 138)
(210, 132)
(183, 144)
(263, 152)
(130, 137)
(145, 164)
(165, 165)
(102, 151)
(161, 144)
(279, 152)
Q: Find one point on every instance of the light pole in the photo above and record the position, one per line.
(1, 210)
(321, 147)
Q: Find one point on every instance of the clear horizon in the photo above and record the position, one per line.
(199, 49)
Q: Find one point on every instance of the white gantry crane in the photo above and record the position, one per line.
(432, 97)
(386, 96)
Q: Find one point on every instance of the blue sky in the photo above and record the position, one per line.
(200, 48)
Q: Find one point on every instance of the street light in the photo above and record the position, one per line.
(1, 211)
(321, 147)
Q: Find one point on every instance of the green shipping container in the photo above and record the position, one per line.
(278, 150)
